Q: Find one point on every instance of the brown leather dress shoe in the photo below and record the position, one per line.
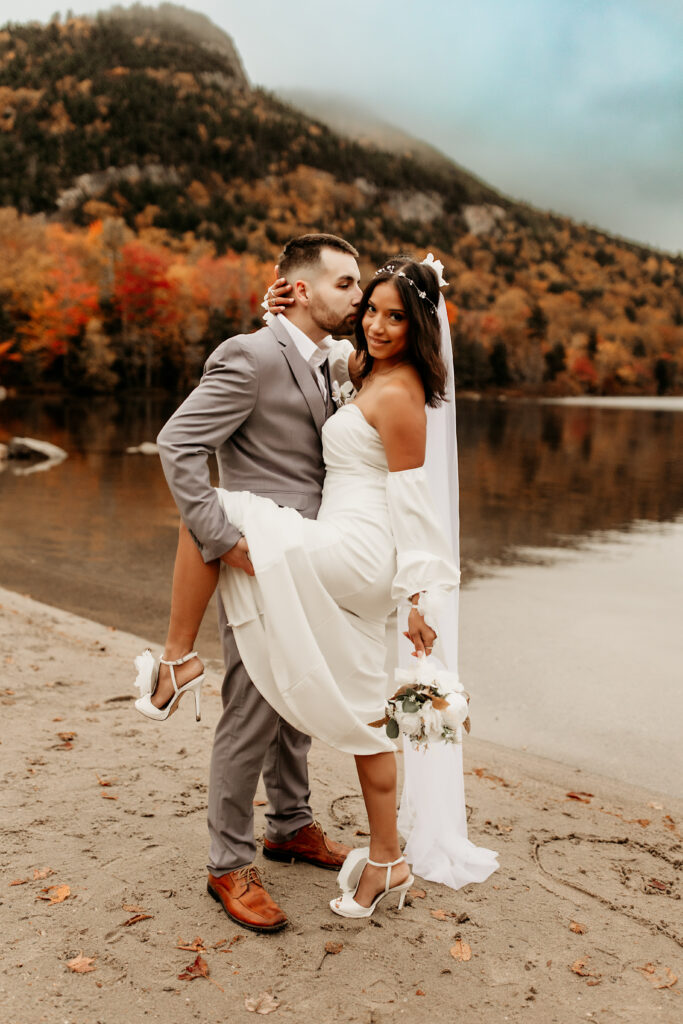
(311, 845)
(245, 901)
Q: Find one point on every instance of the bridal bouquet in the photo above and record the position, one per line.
(430, 707)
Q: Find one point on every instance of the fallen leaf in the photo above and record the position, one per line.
(196, 946)
(334, 947)
(361, 832)
(66, 736)
(417, 894)
(135, 919)
(584, 798)
(217, 945)
(263, 1003)
(109, 796)
(19, 881)
(578, 929)
(198, 969)
(260, 803)
(666, 980)
(419, 992)
(439, 915)
(580, 967)
(656, 884)
(45, 873)
(461, 951)
(81, 964)
(59, 893)
(484, 773)
(105, 782)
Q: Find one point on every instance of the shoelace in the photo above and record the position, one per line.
(250, 874)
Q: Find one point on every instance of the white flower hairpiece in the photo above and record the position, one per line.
(438, 268)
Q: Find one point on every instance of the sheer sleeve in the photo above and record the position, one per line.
(424, 559)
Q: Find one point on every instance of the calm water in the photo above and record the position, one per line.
(96, 535)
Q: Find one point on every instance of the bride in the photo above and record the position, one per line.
(310, 612)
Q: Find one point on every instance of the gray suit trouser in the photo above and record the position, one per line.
(252, 738)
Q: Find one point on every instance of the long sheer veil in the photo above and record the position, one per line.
(433, 815)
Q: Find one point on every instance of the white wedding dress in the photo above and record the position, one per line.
(311, 625)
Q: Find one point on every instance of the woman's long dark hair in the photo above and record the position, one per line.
(424, 332)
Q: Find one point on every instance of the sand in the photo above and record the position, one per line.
(98, 800)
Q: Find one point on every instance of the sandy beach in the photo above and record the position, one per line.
(103, 879)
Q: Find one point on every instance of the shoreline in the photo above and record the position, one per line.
(116, 811)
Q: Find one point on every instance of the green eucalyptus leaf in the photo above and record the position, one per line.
(410, 705)
(392, 729)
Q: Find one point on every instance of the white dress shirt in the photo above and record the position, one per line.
(314, 355)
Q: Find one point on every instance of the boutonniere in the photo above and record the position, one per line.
(342, 394)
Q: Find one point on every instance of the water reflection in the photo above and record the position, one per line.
(97, 533)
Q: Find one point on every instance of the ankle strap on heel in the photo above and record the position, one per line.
(391, 864)
(179, 661)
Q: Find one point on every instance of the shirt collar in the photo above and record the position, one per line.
(314, 354)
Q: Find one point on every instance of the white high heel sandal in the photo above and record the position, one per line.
(349, 880)
(147, 678)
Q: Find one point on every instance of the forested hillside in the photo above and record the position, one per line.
(146, 189)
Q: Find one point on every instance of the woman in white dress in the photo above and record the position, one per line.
(310, 623)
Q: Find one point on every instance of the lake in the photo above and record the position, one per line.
(544, 486)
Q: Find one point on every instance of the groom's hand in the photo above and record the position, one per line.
(238, 557)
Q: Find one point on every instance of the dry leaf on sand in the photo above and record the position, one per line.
(135, 919)
(334, 947)
(439, 915)
(417, 894)
(105, 782)
(667, 979)
(583, 798)
(19, 881)
(262, 1003)
(461, 951)
(45, 873)
(196, 946)
(578, 929)
(109, 796)
(58, 893)
(199, 969)
(81, 964)
(580, 967)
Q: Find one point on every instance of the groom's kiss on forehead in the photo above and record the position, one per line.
(324, 276)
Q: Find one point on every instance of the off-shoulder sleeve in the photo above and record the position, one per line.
(424, 558)
(338, 360)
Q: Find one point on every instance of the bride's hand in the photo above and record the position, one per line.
(277, 296)
(238, 557)
(420, 634)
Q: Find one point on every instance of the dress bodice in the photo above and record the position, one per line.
(352, 445)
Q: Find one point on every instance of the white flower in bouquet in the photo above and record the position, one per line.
(455, 714)
(432, 721)
(409, 722)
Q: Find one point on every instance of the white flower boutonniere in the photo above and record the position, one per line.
(342, 394)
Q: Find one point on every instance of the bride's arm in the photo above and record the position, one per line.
(425, 568)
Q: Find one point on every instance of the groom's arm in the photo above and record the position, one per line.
(210, 414)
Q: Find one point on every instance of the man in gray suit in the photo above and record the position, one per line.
(260, 406)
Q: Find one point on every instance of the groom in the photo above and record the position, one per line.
(260, 407)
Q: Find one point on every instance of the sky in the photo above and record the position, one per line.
(574, 106)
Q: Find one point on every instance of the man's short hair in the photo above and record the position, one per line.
(304, 252)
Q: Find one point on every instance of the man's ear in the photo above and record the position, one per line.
(301, 292)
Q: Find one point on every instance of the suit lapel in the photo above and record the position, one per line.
(301, 372)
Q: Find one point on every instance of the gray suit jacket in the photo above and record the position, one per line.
(258, 407)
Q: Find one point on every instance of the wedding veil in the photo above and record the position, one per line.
(433, 815)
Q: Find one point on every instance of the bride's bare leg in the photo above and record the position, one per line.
(377, 775)
(194, 581)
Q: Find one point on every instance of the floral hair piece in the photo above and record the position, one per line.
(429, 261)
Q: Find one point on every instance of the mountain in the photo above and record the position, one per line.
(145, 118)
